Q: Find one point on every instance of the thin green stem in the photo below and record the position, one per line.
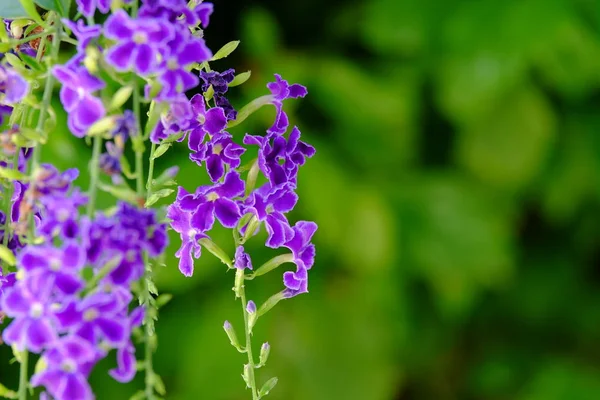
(94, 175)
(23, 375)
(251, 366)
(150, 171)
(33, 37)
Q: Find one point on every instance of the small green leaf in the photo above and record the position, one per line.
(267, 387)
(208, 95)
(102, 126)
(60, 6)
(7, 393)
(240, 78)
(3, 33)
(163, 299)
(160, 150)
(32, 134)
(249, 109)
(216, 251)
(154, 197)
(122, 192)
(226, 50)
(31, 62)
(139, 395)
(12, 174)
(7, 256)
(159, 385)
(120, 98)
(31, 11)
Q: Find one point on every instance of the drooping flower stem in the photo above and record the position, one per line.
(251, 380)
(23, 375)
(94, 174)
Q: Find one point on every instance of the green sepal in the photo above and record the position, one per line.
(7, 256)
(160, 150)
(267, 387)
(154, 197)
(240, 79)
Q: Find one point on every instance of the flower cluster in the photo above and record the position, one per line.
(71, 301)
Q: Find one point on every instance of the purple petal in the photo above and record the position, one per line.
(186, 263)
(214, 167)
(227, 211)
(113, 331)
(120, 56)
(215, 120)
(204, 219)
(232, 186)
(39, 334)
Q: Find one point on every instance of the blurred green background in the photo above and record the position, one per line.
(457, 191)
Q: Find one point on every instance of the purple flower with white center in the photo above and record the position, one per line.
(96, 318)
(220, 82)
(304, 258)
(213, 201)
(83, 32)
(89, 7)
(13, 87)
(177, 119)
(279, 159)
(242, 259)
(141, 43)
(211, 122)
(282, 90)
(269, 204)
(182, 224)
(64, 375)
(59, 215)
(221, 150)
(29, 303)
(185, 49)
(82, 107)
(60, 265)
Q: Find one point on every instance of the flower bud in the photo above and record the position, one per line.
(265, 350)
(251, 307)
(232, 336)
(247, 375)
(267, 387)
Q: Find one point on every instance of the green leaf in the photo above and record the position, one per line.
(154, 197)
(31, 11)
(120, 97)
(160, 150)
(163, 299)
(249, 109)
(226, 50)
(7, 256)
(240, 78)
(7, 393)
(60, 6)
(12, 9)
(159, 385)
(12, 174)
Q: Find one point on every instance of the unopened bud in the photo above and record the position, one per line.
(232, 336)
(267, 387)
(247, 375)
(251, 307)
(265, 350)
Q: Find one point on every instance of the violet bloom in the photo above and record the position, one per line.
(83, 32)
(182, 224)
(185, 50)
(178, 119)
(178, 11)
(279, 159)
(210, 201)
(60, 265)
(76, 96)
(88, 7)
(304, 258)
(207, 122)
(28, 302)
(59, 215)
(126, 362)
(221, 150)
(13, 87)
(126, 127)
(140, 43)
(50, 181)
(220, 83)
(242, 259)
(269, 204)
(282, 90)
(65, 375)
(96, 318)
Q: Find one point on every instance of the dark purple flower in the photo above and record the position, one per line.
(282, 90)
(269, 204)
(207, 122)
(29, 303)
(304, 258)
(64, 375)
(184, 49)
(60, 265)
(88, 7)
(220, 82)
(242, 259)
(83, 32)
(178, 119)
(221, 150)
(181, 223)
(279, 159)
(178, 11)
(76, 96)
(13, 87)
(59, 215)
(141, 43)
(210, 201)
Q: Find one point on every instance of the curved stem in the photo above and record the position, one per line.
(251, 366)
(23, 376)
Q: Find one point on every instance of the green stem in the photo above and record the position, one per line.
(23, 376)
(150, 171)
(251, 379)
(94, 175)
(33, 37)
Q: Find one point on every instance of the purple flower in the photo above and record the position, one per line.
(279, 159)
(242, 259)
(210, 201)
(221, 150)
(110, 162)
(282, 90)
(304, 258)
(76, 96)
(185, 49)
(220, 83)
(83, 32)
(126, 363)
(126, 127)
(59, 215)
(181, 223)
(29, 303)
(269, 204)
(88, 7)
(13, 88)
(60, 265)
(210, 122)
(177, 119)
(141, 43)
(65, 376)
(172, 10)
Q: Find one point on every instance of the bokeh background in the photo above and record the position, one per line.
(457, 191)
